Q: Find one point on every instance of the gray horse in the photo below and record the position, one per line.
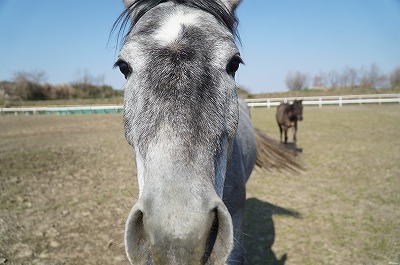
(192, 137)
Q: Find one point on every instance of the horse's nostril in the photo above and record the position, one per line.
(212, 237)
(220, 238)
(135, 237)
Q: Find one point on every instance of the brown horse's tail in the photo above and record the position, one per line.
(271, 154)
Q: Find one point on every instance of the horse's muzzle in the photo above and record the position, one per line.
(180, 236)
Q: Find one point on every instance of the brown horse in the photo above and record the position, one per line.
(287, 116)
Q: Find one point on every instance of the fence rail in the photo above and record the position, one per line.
(63, 110)
(328, 100)
(259, 102)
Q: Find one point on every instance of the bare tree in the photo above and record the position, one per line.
(351, 77)
(372, 78)
(373, 75)
(395, 77)
(27, 85)
(83, 77)
(100, 80)
(296, 81)
(343, 80)
(346, 79)
(334, 78)
(38, 76)
(319, 80)
(22, 85)
(35, 76)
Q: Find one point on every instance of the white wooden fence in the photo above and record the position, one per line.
(259, 102)
(63, 110)
(327, 100)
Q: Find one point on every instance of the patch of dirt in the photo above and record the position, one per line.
(66, 186)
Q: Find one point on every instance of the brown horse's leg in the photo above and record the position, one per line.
(295, 132)
(280, 129)
(286, 129)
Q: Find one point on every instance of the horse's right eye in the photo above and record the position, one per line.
(233, 65)
(124, 68)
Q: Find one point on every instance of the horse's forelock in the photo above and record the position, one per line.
(138, 8)
(298, 104)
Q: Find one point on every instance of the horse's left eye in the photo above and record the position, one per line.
(124, 68)
(233, 65)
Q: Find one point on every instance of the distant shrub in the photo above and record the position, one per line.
(84, 90)
(27, 90)
(395, 78)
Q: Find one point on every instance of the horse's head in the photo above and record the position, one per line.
(181, 113)
(297, 108)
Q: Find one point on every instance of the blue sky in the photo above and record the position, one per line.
(64, 38)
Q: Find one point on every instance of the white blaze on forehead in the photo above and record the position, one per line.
(172, 26)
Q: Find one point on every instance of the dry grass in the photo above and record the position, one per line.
(67, 184)
(344, 209)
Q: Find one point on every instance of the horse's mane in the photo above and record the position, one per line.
(141, 7)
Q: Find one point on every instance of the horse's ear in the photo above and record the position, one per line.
(128, 3)
(131, 8)
(231, 4)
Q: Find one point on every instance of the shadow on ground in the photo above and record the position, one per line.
(260, 232)
(293, 148)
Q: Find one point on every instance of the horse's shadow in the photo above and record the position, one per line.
(260, 232)
(293, 148)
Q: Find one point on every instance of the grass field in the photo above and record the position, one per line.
(67, 184)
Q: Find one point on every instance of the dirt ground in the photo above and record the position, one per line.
(67, 184)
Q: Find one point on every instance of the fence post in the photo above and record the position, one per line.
(340, 102)
(268, 103)
(320, 102)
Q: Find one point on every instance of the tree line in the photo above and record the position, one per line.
(32, 86)
(348, 78)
